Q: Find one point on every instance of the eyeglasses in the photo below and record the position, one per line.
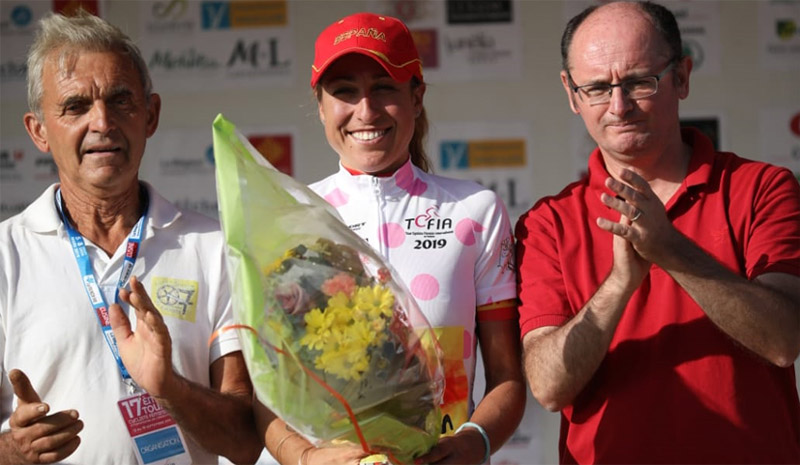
(634, 88)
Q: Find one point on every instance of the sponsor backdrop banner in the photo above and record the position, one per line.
(462, 40)
(497, 155)
(24, 173)
(779, 34)
(181, 162)
(178, 162)
(17, 26)
(211, 45)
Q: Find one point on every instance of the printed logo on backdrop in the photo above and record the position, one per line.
(257, 57)
(779, 35)
(462, 40)
(503, 156)
(408, 11)
(427, 42)
(249, 57)
(708, 126)
(9, 161)
(478, 11)
(694, 50)
(478, 46)
(193, 46)
(18, 20)
(495, 153)
(785, 29)
(184, 166)
(16, 29)
(44, 168)
(276, 149)
(24, 173)
(700, 30)
(243, 14)
(166, 18)
(794, 125)
(70, 7)
(170, 17)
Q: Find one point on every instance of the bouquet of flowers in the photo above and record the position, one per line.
(334, 343)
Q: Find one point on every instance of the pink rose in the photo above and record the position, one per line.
(292, 298)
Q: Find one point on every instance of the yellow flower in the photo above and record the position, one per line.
(317, 329)
(277, 265)
(375, 301)
(346, 330)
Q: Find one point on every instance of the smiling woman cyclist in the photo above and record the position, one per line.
(450, 240)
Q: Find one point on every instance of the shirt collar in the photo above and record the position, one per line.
(398, 183)
(162, 212)
(698, 172)
(42, 215)
(702, 162)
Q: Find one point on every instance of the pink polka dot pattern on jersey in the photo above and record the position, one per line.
(424, 287)
(466, 229)
(337, 198)
(392, 235)
(467, 345)
(405, 180)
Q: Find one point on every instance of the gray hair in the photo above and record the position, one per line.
(68, 36)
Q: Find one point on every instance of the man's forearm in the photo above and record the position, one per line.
(561, 362)
(764, 320)
(222, 423)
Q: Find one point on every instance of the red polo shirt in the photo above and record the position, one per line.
(673, 388)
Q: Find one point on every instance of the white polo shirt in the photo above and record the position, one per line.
(48, 328)
(450, 240)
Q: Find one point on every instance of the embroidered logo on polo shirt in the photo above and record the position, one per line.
(175, 297)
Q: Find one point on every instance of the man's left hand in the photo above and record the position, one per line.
(644, 222)
(147, 352)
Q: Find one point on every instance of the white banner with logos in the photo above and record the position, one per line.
(779, 34)
(25, 172)
(495, 154)
(193, 46)
(464, 40)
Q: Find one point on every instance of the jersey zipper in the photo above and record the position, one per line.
(380, 202)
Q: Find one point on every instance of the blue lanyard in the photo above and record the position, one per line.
(90, 284)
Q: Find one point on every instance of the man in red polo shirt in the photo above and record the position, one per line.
(660, 302)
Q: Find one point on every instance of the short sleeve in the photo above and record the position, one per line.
(773, 243)
(542, 293)
(495, 272)
(225, 341)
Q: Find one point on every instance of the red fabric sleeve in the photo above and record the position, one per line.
(773, 240)
(541, 289)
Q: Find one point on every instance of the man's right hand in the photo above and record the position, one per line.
(35, 436)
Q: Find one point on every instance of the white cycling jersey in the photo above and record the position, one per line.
(451, 243)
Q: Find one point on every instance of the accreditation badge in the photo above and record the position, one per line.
(155, 435)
